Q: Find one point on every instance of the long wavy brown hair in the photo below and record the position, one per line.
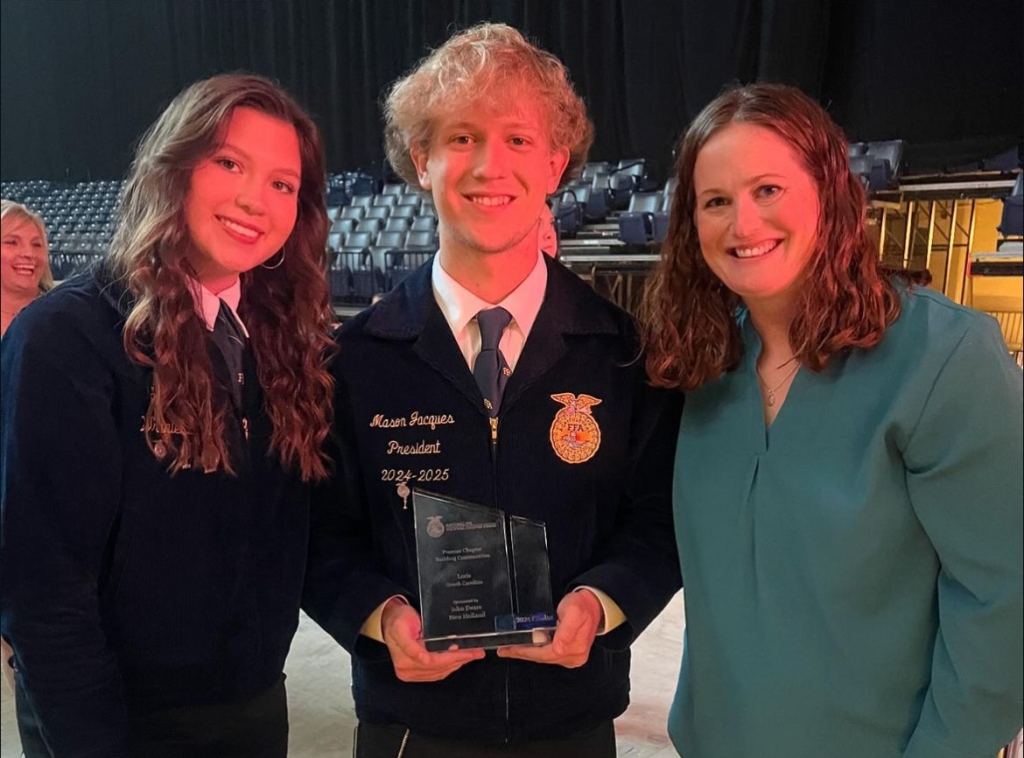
(286, 309)
(846, 301)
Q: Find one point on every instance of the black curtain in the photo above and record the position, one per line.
(81, 79)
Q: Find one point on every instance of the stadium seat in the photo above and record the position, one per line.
(591, 170)
(370, 225)
(568, 214)
(400, 263)
(339, 276)
(621, 187)
(424, 224)
(421, 241)
(636, 225)
(660, 219)
(877, 163)
(394, 224)
(1012, 222)
(599, 199)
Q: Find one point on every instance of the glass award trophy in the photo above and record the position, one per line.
(484, 576)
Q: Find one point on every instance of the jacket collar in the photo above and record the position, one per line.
(411, 314)
(568, 307)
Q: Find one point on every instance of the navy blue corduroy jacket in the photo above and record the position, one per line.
(123, 588)
(408, 410)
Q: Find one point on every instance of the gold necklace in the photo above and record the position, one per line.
(770, 391)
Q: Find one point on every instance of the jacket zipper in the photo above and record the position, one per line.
(493, 420)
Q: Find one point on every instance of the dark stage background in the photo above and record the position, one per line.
(81, 79)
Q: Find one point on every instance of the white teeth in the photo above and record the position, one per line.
(25, 269)
(491, 201)
(239, 229)
(753, 252)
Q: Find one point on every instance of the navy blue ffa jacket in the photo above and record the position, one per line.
(409, 414)
(126, 589)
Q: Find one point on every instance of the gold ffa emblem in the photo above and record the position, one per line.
(575, 435)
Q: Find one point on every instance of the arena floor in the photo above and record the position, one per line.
(320, 702)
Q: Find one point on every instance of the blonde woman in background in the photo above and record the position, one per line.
(24, 263)
(24, 276)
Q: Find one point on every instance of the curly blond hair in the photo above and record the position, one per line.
(482, 64)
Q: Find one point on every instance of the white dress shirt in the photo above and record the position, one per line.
(460, 307)
(208, 304)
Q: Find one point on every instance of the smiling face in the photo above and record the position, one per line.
(756, 211)
(22, 257)
(490, 172)
(242, 201)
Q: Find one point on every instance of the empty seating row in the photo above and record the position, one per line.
(392, 224)
(878, 164)
(605, 188)
(356, 276)
(359, 212)
(646, 220)
(368, 241)
(66, 264)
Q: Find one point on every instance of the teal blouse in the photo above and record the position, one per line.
(853, 575)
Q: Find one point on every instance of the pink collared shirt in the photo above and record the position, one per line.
(208, 304)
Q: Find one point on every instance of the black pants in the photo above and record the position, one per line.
(254, 728)
(374, 741)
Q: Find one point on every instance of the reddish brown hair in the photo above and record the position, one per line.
(689, 316)
(286, 308)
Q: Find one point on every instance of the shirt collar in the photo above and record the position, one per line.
(208, 304)
(460, 306)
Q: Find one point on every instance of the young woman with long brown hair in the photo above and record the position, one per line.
(162, 421)
(848, 474)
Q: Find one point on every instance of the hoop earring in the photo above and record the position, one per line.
(276, 265)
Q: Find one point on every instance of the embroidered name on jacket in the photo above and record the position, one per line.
(380, 421)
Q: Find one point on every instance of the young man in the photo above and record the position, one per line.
(489, 125)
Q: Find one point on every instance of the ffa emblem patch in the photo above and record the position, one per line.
(575, 435)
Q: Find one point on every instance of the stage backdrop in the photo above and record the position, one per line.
(81, 79)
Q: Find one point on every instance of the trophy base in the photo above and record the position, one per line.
(489, 641)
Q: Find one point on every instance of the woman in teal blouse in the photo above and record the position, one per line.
(848, 484)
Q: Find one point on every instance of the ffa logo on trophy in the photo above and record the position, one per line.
(435, 528)
(575, 435)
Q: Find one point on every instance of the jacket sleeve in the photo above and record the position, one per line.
(638, 566)
(345, 582)
(60, 483)
(964, 478)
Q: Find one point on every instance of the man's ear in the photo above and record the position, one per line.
(419, 160)
(557, 162)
